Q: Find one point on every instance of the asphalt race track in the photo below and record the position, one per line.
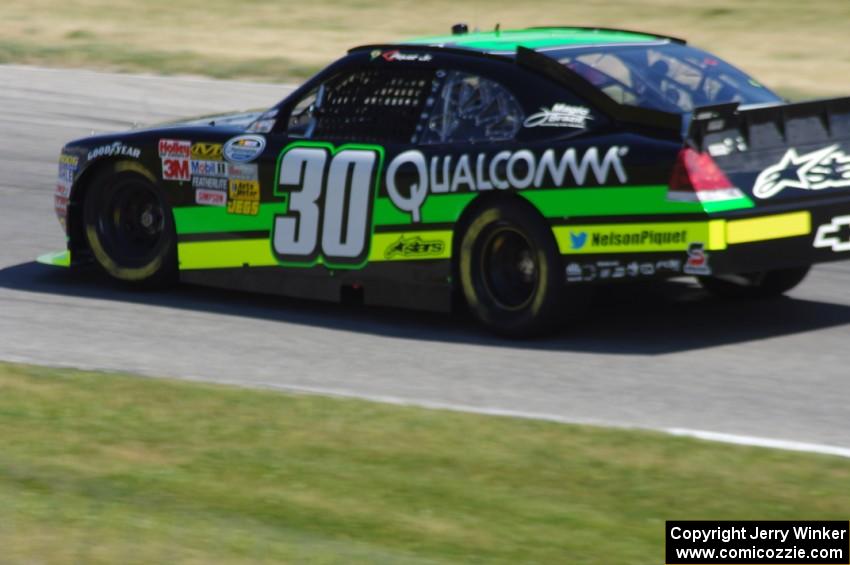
(662, 357)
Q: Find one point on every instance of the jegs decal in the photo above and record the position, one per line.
(243, 197)
(330, 192)
(825, 168)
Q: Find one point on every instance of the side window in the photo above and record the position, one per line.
(472, 109)
(378, 105)
(302, 120)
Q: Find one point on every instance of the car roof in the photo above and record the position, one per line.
(507, 41)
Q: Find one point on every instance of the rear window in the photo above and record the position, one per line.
(669, 77)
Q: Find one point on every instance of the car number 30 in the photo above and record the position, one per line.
(330, 205)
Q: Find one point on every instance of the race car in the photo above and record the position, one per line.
(514, 169)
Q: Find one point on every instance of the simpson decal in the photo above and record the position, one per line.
(210, 197)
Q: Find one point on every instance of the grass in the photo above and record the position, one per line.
(796, 47)
(104, 468)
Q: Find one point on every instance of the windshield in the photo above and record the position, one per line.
(666, 76)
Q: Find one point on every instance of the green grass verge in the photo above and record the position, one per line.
(103, 468)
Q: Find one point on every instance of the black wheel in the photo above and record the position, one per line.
(763, 284)
(129, 229)
(510, 271)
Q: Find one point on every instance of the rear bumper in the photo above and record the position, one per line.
(749, 241)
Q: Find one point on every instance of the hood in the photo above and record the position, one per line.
(230, 120)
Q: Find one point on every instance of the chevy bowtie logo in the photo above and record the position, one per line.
(830, 235)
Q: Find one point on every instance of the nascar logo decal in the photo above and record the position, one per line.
(244, 149)
(818, 170)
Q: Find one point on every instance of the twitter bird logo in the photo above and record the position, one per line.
(578, 239)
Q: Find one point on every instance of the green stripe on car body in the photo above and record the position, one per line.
(213, 219)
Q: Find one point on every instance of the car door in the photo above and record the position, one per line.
(330, 150)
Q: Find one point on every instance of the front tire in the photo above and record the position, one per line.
(510, 271)
(130, 229)
(764, 284)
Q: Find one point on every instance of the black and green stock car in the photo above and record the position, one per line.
(516, 169)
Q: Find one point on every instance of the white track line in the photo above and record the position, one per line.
(736, 439)
(762, 442)
(720, 437)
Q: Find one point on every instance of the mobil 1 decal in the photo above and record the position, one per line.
(329, 193)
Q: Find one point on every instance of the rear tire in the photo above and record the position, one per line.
(763, 284)
(510, 271)
(130, 229)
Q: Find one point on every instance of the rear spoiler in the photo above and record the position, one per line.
(774, 126)
(583, 88)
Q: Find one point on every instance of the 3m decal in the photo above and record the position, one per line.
(560, 116)
(330, 194)
(244, 149)
(176, 169)
(834, 235)
(207, 151)
(501, 171)
(414, 247)
(697, 263)
(818, 170)
(116, 149)
(176, 157)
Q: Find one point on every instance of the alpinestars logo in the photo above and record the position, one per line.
(818, 170)
(829, 235)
